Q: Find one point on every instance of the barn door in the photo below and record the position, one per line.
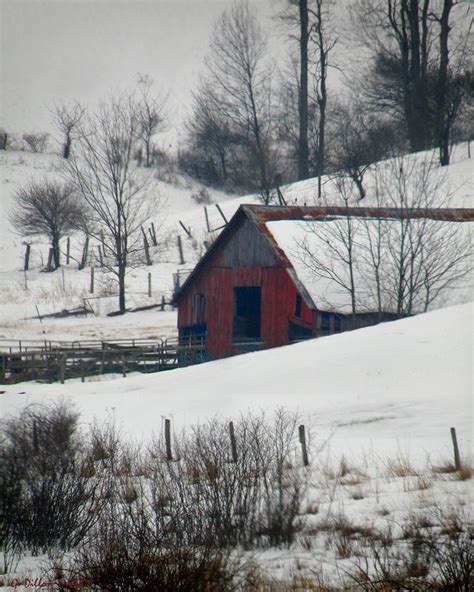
(247, 313)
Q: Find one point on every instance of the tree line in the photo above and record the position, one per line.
(253, 124)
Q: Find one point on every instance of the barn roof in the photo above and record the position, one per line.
(264, 217)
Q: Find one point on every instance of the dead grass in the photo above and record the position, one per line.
(400, 467)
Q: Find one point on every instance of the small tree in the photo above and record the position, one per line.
(361, 140)
(150, 114)
(67, 119)
(49, 208)
(114, 190)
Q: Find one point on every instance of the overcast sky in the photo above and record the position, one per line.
(64, 50)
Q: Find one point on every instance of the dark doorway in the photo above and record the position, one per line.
(247, 313)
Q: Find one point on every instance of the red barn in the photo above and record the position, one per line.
(245, 294)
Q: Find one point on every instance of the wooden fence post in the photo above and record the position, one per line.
(180, 249)
(186, 230)
(68, 250)
(26, 264)
(457, 456)
(304, 450)
(101, 255)
(221, 213)
(233, 444)
(85, 252)
(153, 235)
(146, 248)
(149, 284)
(169, 456)
(124, 366)
(91, 288)
(62, 368)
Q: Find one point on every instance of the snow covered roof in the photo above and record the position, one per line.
(287, 227)
(319, 249)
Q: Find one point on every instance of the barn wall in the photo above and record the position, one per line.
(217, 285)
(245, 260)
(247, 247)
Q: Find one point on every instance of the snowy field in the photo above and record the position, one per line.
(379, 402)
(394, 388)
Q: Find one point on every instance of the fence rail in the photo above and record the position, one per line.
(57, 360)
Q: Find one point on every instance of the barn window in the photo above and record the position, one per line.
(247, 313)
(337, 324)
(297, 332)
(199, 304)
(325, 326)
(298, 306)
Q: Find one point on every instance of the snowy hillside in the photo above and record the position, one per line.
(451, 186)
(378, 404)
(395, 387)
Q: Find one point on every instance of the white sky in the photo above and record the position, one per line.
(64, 50)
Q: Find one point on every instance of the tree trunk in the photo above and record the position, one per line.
(121, 283)
(443, 119)
(67, 146)
(56, 252)
(303, 148)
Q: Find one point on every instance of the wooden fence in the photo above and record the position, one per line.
(57, 361)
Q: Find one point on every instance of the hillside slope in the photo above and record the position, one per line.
(393, 388)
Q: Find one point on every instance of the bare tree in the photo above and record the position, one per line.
(103, 172)
(420, 66)
(325, 42)
(329, 251)
(360, 140)
(67, 119)
(36, 142)
(151, 114)
(296, 17)
(315, 40)
(211, 153)
(47, 208)
(397, 264)
(238, 70)
(423, 258)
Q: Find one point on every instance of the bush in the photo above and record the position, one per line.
(437, 555)
(48, 500)
(201, 197)
(36, 142)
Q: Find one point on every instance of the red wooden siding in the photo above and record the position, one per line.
(217, 285)
(244, 259)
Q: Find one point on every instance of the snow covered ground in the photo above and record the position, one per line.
(379, 403)
(394, 388)
(375, 399)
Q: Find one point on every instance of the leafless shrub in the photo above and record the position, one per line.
(401, 467)
(201, 197)
(36, 142)
(48, 498)
(428, 561)
(250, 500)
